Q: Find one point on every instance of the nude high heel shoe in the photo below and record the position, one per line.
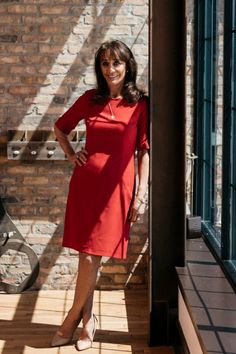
(87, 342)
(58, 339)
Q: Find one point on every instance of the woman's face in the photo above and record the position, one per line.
(113, 70)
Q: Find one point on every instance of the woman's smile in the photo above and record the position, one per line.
(112, 77)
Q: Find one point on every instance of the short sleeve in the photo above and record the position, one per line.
(69, 120)
(143, 127)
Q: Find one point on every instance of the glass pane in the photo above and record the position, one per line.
(208, 110)
(218, 121)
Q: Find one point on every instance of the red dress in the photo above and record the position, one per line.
(101, 191)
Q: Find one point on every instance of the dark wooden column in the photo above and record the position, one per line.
(167, 192)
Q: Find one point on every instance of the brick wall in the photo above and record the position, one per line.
(46, 62)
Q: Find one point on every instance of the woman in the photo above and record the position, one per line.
(102, 202)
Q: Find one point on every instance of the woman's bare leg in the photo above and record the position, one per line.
(88, 308)
(88, 319)
(83, 297)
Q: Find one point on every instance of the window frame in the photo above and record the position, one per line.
(224, 247)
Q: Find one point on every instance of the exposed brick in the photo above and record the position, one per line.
(50, 48)
(10, 80)
(4, 70)
(59, 38)
(51, 29)
(8, 60)
(41, 199)
(90, 79)
(140, 50)
(22, 9)
(43, 229)
(55, 110)
(22, 90)
(60, 180)
(25, 270)
(80, 4)
(136, 249)
(127, 20)
(54, 10)
(21, 210)
(60, 200)
(43, 210)
(8, 38)
(140, 11)
(135, 279)
(22, 169)
(65, 19)
(8, 100)
(59, 99)
(32, 80)
(28, 38)
(112, 10)
(34, 76)
(56, 210)
(20, 49)
(62, 90)
(66, 59)
(119, 30)
(20, 190)
(100, 20)
(7, 1)
(57, 170)
(23, 70)
(35, 59)
(19, 29)
(9, 19)
(135, 2)
(114, 269)
(136, 239)
(45, 69)
(36, 20)
(71, 80)
(50, 189)
(36, 180)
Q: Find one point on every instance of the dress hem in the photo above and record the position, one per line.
(101, 254)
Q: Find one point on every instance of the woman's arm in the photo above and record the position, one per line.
(143, 174)
(78, 158)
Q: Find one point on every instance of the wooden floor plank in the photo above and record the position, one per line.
(28, 322)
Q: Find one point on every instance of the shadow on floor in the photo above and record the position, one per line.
(122, 317)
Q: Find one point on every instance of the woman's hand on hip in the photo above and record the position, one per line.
(79, 158)
(134, 211)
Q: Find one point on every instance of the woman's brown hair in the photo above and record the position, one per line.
(117, 49)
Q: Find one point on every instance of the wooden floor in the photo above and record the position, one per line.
(28, 322)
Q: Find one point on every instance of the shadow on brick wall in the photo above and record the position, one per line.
(27, 90)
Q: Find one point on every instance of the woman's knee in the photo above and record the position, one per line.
(89, 259)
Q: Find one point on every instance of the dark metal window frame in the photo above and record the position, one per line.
(224, 246)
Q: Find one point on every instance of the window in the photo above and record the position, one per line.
(215, 126)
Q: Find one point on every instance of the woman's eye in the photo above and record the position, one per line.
(116, 63)
(105, 63)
